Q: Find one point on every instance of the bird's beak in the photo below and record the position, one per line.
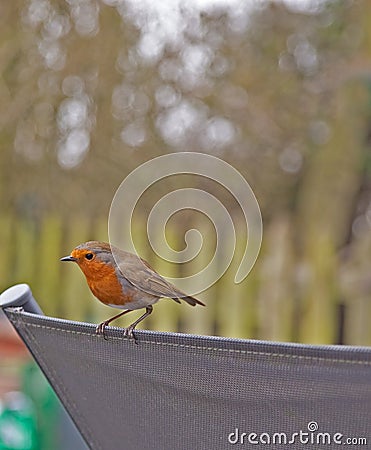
(68, 258)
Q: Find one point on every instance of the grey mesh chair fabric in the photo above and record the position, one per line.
(176, 391)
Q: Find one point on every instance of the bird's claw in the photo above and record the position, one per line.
(100, 330)
(129, 333)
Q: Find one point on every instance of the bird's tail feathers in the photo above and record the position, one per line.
(190, 300)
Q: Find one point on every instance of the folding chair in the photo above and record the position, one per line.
(177, 391)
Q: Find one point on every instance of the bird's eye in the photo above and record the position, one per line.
(89, 256)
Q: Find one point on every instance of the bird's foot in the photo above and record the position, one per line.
(129, 333)
(100, 329)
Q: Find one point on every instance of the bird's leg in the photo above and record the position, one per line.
(129, 331)
(102, 326)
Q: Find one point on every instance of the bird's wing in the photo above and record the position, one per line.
(139, 273)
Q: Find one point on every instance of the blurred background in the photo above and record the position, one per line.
(281, 90)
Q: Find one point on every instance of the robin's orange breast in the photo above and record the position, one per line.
(105, 285)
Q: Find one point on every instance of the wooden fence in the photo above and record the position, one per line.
(317, 299)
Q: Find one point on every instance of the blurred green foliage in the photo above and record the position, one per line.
(91, 89)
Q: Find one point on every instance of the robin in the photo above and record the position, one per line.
(126, 282)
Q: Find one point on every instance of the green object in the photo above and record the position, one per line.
(17, 423)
